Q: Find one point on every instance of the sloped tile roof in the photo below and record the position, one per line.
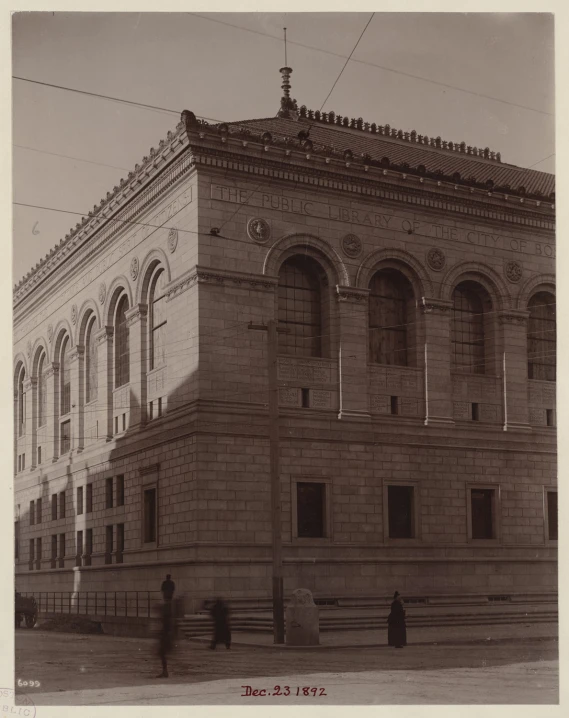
(399, 151)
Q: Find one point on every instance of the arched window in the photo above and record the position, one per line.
(541, 337)
(390, 296)
(65, 378)
(122, 353)
(468, 347)
(91, 368)
(42, 394)
(300, 307)
(21, 402)
(157, 323)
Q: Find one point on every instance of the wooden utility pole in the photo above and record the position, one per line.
(278, 594)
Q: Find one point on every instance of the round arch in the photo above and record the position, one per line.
(39, 347)
(88, 309)
(539, 283)
(318, 249)
(149, 264)
(118, 286)
(400, 260)
(483, 275)
(19, 362)
(63, 327)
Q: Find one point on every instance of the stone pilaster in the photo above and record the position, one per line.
(136, 320)
(31, 389)
(76, 370)
(514, 363)
(104, 339)
(52, 410)
(437, 362)
(353, 352)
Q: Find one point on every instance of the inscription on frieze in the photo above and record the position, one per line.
(461, 410)
(302, 370)
(409, 407)
(548, 391)
(289, 396)
(379, 404)
(320, 399)
(534, 393)
(488, 412)
(537, 417)
(393, 379)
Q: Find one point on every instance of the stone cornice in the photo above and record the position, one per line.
(207, 275)
(104, 335)
(76, 353)
(52, 370)
(387, 185)
(352, 294)
(435, 306)
(127, 201)
(136, 314)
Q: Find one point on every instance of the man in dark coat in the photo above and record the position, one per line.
(167, 635)
(168, 587)
(396, 629)
(221, 629)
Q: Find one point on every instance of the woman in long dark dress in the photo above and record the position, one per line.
(221, 629)
(396, 629)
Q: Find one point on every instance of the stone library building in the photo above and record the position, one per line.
(412, 280)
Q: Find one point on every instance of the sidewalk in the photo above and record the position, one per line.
(518, 683)
(443, 635)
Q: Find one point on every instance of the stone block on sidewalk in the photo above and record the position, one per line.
(302, 620)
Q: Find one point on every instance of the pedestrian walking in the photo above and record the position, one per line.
(168, 587)
(221, 628)
(396, 628)
(167, 635)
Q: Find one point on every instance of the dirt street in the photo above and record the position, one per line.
(69, 662)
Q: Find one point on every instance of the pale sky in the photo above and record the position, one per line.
(181, 61)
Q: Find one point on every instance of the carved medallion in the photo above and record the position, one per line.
(513, 271)
(102, 292)
(436, 259)
(50, 332)
(258, 230)
(352, 245)
(172, 239)
(134, 267)
(74, 314)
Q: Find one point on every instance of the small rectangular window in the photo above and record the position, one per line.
(305, 398)
(53, 549)
(32, 513)
(38, 553)
(17, 540)
(54, 507)
(38, 511)
(150, 411)
(62, 505)
(19, 462)
(61, 545)
(549, 417)
(552, 515)
(89, 542)
(79, 546)
(108, 544)
(109, 493)
(79, 500)
(475, 412)
(311, 509)
(23, 461)
(65, 437)
(149, 516)
(116, 424)
(39, 454)
(89, 501)
(394, 405)
(32, 555)
(400, 512)
(120, 538)
(124, 422)
(120, 490)
(482, 513)
(160, 407)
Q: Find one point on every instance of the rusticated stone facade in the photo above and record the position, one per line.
(134, 363)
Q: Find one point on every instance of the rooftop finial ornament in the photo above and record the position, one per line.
(289, 108)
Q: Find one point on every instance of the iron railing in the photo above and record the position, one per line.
(136, 604)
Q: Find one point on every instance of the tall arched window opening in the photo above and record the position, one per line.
(21, 403)
(542, 342)
(42, 394)
(468, 332)
(91, 368)
(300, 307)
(157, 323)
(391, 303)
(122, 352)
(65, 378)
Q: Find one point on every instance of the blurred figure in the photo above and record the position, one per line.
(167, 635)
(221, 629)
(168, 587)
(396, 629)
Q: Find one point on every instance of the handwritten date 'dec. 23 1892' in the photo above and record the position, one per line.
(284, 691)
